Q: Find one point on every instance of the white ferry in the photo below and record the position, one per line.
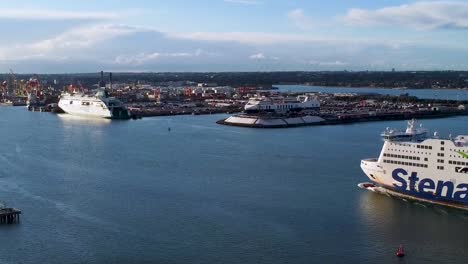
(100, 105)
(281, 104)
(414, 165)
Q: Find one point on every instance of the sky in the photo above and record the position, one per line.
(50, 36)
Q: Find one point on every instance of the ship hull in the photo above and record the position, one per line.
(79, 110)
(92, 108)
(411, 184)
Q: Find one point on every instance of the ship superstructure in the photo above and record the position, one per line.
(98, 105)
(281, 104)
(432, 169)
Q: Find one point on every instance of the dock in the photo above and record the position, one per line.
(284, 121)
(9, 215)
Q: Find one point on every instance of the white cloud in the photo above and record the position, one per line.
(300, 20)
(243, 2)
(82, 37)
(260, 38)
(258, 56)
(75, 39)
(47, 14)
(143, 58)
(328, 63)
(419, 15)
(261, 56)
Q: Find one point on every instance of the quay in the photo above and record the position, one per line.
(285, 121)
(9, 215)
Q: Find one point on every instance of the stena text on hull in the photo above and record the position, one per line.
(429, 169)
(99, 105)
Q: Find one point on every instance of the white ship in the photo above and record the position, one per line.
(99, 105)
(414, 165)
(281, 104)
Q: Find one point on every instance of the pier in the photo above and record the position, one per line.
(9, 215)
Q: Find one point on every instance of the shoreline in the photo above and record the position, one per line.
(375, 87)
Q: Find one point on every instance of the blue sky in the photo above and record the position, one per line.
(50, 36)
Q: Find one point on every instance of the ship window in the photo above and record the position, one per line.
(442, 142)
(71, 102)
(442, 148)
(425, 159)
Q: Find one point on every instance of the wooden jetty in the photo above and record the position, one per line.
(9, 215)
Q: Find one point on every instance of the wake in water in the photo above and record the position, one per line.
(67, 210)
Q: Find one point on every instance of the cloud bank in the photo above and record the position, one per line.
(419, 15)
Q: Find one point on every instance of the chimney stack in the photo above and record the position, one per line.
(102, 83)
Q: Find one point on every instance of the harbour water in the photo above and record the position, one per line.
(447, 94)
(95, 191)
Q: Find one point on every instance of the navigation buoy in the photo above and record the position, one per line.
(400, 252)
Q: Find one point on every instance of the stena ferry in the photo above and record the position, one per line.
(416, 166)
(100, 105)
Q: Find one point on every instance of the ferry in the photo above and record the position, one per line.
(417, 166)
(281, 104)
(99, 105)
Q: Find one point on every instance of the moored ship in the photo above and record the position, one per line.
(100, 105)
(281, 104)
(415, 165)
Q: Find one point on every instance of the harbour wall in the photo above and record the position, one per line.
(259, 121)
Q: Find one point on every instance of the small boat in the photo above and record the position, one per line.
(400, 252)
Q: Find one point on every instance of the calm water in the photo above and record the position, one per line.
(421, 93)
(93, 191)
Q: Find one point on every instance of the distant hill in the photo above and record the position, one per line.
(413, 79)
